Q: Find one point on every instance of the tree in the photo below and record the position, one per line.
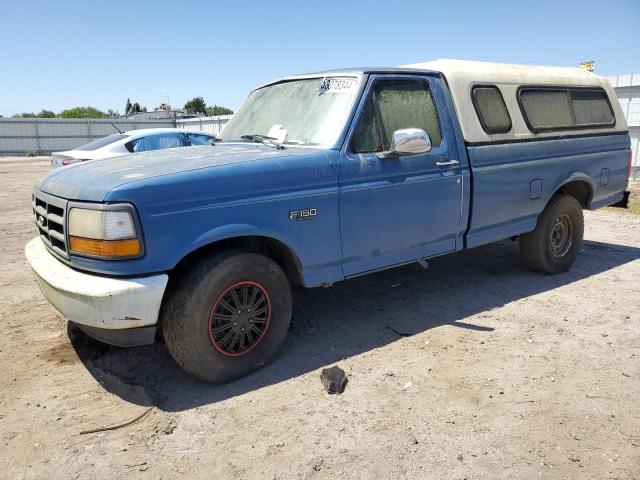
(196, 105)
(82, 112)
(42, 114)
(133, 107)
(218, 110)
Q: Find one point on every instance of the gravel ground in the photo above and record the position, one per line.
(475, 368)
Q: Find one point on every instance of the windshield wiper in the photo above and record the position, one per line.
(257, 136)
(267, 140)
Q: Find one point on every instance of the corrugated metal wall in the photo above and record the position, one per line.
(205, 124)
(24, 136)
(627, 88)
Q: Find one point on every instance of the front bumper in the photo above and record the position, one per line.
(108, 307)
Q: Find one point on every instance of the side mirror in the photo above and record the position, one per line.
(409, 141)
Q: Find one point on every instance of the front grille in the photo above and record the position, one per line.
(49, 213)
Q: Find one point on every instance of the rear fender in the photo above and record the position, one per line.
(577, 176)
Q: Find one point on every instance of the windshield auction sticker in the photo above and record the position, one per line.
(337, 85)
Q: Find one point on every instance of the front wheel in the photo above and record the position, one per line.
(556, 241)
(228, 316)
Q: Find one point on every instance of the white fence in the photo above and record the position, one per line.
(205, 124)
(41, 136)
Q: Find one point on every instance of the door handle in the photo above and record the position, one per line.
(450, 163)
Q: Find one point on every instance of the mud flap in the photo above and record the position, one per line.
(624, 203)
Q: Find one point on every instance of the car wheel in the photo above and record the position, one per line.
(556, 241)
(228, 316)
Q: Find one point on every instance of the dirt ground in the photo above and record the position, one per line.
(474, 368)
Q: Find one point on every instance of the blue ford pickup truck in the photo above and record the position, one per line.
(316, 179)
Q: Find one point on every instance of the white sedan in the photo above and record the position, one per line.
(130, 142)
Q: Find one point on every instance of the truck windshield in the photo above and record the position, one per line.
(299, 112)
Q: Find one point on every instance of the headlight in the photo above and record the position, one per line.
(109, 233)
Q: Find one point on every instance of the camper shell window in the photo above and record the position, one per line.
(491, 109)
(565, 108)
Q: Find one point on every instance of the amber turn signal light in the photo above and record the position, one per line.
(104, 248)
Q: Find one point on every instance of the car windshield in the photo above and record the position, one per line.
(102, 142)
(298, 112)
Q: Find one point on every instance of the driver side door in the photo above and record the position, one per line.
(397, 209)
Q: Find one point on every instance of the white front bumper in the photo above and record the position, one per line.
(93, 300)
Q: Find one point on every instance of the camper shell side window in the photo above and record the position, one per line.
(565, 108)
(491, 109)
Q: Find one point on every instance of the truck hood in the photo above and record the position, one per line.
(92, 181)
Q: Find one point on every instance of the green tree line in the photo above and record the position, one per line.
(195, 105)
(76, 112)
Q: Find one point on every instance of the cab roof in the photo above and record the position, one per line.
(356, 71)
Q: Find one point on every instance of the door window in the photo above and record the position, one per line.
(367, 136)
(394, 105)
(157, 142)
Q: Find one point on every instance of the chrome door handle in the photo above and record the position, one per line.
(450, 163)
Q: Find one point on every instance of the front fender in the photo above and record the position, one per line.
(222, 233)
(226, 232)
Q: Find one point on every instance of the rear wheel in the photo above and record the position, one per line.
(228, 316)
(556, 241)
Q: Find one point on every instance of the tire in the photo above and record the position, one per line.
(197, 320)
(556, 241)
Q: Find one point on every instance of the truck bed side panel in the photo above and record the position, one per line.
(512, 182)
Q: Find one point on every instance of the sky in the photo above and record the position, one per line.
(61, 54)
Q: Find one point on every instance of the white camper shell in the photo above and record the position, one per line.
(464, 76)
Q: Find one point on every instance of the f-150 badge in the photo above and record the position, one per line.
(301, 215)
